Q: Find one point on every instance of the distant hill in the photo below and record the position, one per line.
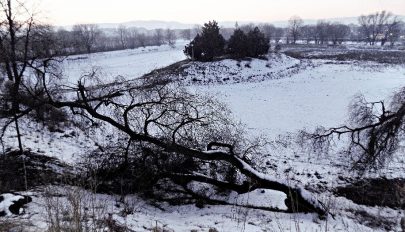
(154, 24)
(149, 24)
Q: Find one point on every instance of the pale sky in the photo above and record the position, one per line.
(67, 12)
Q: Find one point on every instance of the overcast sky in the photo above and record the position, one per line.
(67, 12)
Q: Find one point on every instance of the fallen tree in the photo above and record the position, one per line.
(194, 132)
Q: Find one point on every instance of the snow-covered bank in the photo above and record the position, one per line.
(129, 64)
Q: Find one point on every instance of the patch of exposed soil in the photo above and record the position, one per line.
(376, 192)
(33, 169)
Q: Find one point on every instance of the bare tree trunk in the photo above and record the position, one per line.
(17, 128)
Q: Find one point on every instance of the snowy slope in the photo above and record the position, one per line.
(129, 64)
(229, 71)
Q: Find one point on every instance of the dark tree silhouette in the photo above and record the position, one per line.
(258, 43)
(238, 44)
(207, 45)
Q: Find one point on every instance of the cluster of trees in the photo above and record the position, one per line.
(210, 43)
(252, 41)
(325, 32)
(89, 38)
(381, 26)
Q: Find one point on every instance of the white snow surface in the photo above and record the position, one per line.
(316, 96)
(8, 200)
(190, 218)
(228, 71)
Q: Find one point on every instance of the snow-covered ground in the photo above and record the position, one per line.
(273, 97)
(316, 96)
(145, 217)
(128, 64)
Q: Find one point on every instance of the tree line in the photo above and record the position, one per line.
(380, 27)
(89, 38)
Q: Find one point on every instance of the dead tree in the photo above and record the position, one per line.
(186, 34)
(321, 31)
(167, 120)
(123, 36)
(25, 46)
(338, 32)
(374, 134)
(294, 28)
(373, 25)
(86, 35)
(158, 37)
(392, 31)
(27, 51)
(170, 37)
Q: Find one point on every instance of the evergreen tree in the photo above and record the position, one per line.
(238, 44)
(208, 45)
(258, 43)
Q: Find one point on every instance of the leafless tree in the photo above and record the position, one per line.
(65, 40)
(133, 38)
(278, 34)
(87, 35)
(375, 132)
(309, 33)
(373, 25)
(338, 32)
(247, 27)
(192, 131)
(142, 39)
(322, 28)
(268, 30)
(158, 36)
(392, 31)
(14, 34)
(186, 34)
(25, 50)
(123, 35)
(170, 37)
(294, 28)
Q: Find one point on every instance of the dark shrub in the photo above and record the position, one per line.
(238, 44)
(208, 45)
(258, 43)
(254, 44)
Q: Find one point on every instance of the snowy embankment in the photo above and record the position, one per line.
(230, 71)
(127, 64)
